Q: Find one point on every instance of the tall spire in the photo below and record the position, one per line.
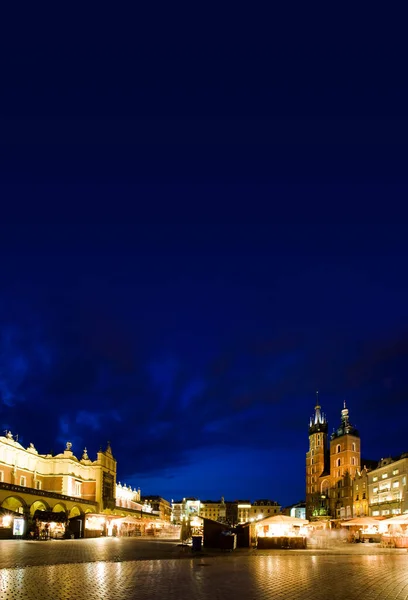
(318, 417)
(345, 414)
(318, 421)
(345, 426)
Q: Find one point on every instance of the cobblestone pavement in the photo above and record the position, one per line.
(22, 553)
(280, 576)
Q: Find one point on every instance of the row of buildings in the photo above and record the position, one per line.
(233, 513)
(36, 486)
(340, 484)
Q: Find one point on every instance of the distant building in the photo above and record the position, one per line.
(223, 511)
(159, 505)
(295, 510)
(263, 508)
(361, 506)
(213, 509)
(244, 511)
(184, 509)
(387, 487)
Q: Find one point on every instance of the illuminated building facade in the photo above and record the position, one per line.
(185, 509)
(263, 508)
(387, 487)
(31, 482)
(214, 509)
(158, 505)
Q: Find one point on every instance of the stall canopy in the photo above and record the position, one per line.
(398, 520)
(361, 522)
(47, 516)
(284, 520)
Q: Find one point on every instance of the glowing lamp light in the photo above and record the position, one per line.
(7, 521)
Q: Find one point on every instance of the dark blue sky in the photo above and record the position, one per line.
(203, 221)
(197, 348)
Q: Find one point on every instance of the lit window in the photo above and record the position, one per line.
(77, 488)
(376, 513)
(353, 447)
(38, 485)
(396, 511)
(23, 480)
(375, 490)
(404, 480)
(375, 479)
(395, 472)
(357, 488)
(395, 484)
(386, 512)
(384, 475)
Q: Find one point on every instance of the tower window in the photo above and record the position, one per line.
(353, 460)
(338, 449)
(312, 461)
(353, 447)
(338, 462)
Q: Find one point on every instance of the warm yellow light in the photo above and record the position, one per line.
(7, 521)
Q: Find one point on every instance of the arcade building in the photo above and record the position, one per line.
(49, 495)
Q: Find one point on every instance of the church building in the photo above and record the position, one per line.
(331, 466)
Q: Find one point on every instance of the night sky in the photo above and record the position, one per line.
(197, 232)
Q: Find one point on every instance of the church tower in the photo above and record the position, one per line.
(316, 462)
(345, 461)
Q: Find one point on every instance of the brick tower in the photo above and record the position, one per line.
(316, 462)
(345, 459)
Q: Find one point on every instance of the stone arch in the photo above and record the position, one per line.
(14, 503)
(59, 507)
(88, 510)
(75, 512)
(39, 505)
(324, 488)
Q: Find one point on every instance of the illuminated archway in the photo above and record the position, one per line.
(14, 503)
(59, 507)
(325, 487)
(38, 505)
(75, 512)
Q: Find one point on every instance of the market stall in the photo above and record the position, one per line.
(281, 531)
(395, 532)
(49, 524)
(363, 529)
